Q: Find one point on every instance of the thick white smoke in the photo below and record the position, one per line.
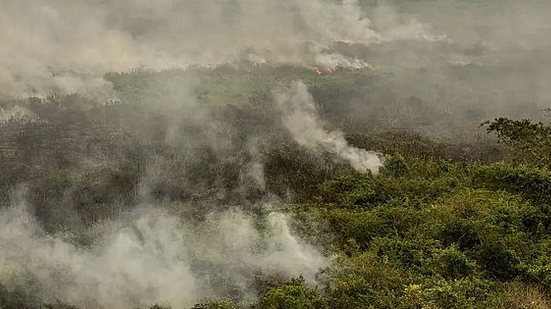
(300, 117)
(66, 45)
(153, 257)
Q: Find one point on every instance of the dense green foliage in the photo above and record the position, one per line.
(429, 233)
(435, 233)
(531, 142)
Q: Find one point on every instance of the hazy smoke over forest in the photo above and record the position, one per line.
(463, 56)
(167, 192)
(69, 44)
(150, 258)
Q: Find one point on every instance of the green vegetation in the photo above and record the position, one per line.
(436, 228)
(436, 233)
(428, 233)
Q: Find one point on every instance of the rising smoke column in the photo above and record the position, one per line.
(300, 117)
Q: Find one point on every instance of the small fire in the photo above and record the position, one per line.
(319, 70)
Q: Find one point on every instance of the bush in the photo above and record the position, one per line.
(366, 281)
(463, 293)
(451, 263)
(530, 141)
(533, 183)
(363, 226)
(291, 296)
(416, 180)
(410, 254)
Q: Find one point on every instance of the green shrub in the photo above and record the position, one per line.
(416, 180)
(396, 166)
(531, 182)
(363, 226)
(488, 226)
(451, 263)
(367, 282)
(531, 142)
(410, 254)
(291, 296)
(462, 293)
(537, 268)
(498, 260)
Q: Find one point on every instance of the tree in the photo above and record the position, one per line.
(529, 141)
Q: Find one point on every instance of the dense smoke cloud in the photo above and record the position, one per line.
(300, 117)
(66, 45)
(151, 257)
(464, 59)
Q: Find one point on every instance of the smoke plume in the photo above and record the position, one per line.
(299, 115)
